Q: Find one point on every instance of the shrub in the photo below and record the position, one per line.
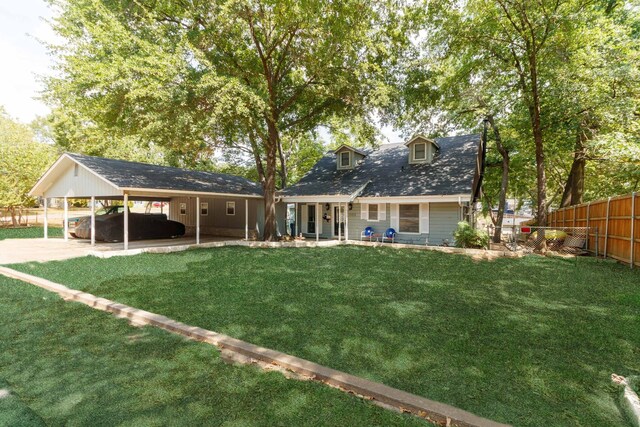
(469, 237)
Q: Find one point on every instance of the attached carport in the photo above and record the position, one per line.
(75, 176)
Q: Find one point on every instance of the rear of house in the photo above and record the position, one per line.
(421, 189)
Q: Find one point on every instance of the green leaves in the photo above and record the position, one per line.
(22, 161)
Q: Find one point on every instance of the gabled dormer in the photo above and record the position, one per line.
(348, 157)
(421, 149)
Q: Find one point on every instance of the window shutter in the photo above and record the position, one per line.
(382, 213)
(395, 216)
(364, 211)
(424, 218)
(305, 218)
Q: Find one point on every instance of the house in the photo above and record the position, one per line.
(205, 202)
(421, 188)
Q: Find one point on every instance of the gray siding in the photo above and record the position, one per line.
(357, 225)
(217, 222)
(443, 220)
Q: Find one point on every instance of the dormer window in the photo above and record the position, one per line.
(420, 151)
(345, 159)
(348, 157)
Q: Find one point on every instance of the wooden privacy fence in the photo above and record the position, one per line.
(618, 225)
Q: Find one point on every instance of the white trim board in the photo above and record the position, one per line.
(415, 199)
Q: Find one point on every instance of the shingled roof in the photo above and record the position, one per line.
(387, 172)
(124, 174)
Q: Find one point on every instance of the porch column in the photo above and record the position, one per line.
(46, 220)
(339, 222)
(295, 222)
(93, 220)
(318, 219)
(246, 219)
(198, 212)
(126, 221)
(346, 222)
(65, 218)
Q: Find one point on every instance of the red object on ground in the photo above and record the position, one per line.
(525, 229)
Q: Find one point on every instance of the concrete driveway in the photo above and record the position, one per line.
(14, 251)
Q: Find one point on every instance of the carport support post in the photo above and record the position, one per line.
(66, 220)
(246, 219)
(198, 210)
(126, 221)
(46, 220)
(93, 220)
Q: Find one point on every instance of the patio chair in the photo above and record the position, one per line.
(390, 234)
(367, 233)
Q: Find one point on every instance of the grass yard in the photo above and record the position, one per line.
(529, 341)
(28, 232)
(67, 364)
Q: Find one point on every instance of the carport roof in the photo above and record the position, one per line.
(136, 176)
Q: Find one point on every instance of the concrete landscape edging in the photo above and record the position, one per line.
(475, 253)
(436, 412)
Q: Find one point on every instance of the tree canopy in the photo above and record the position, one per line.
(558, 77)
(22, 161)
(258, 76)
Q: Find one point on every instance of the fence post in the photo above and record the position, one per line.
(574, 217)
(588, 229)
(633, 234)
(606, 228)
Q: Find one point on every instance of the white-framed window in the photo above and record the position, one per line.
(183, 208)
(409, 218)
(373, 212)
(76, 169)
(345, 159)
(231, 208)
(204, 208)
(420, 151)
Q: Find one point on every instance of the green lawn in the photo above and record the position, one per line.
(529, 341)
(67, 364)
(28, 232)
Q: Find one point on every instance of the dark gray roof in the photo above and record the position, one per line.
(126, 174)
(388, 172)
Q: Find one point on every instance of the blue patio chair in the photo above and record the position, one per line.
(367, 233)
(390, 234)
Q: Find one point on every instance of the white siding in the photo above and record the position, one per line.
(86, 184)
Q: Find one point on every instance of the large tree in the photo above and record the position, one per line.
(559, 77)
(192, 76)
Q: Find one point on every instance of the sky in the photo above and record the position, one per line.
(25, 60)
(22, 23)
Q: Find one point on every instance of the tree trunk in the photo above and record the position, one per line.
(269, 185)
(504, 185)
(536, 127)
(12, 211)
(574, 187)
(579, 162)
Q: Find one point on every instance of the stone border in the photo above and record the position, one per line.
(474, 253)
(436, 412)
(630, 401)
